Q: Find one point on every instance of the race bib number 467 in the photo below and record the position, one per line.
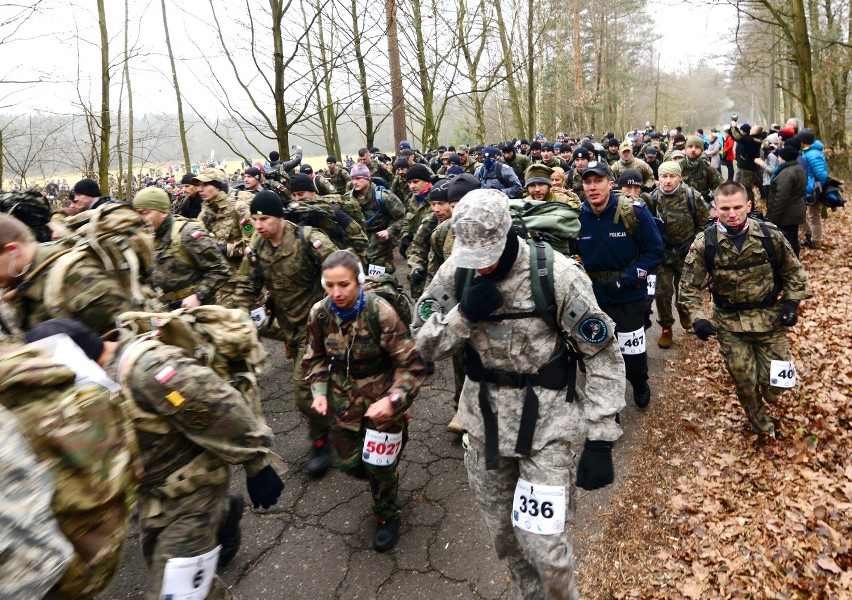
(539, 509)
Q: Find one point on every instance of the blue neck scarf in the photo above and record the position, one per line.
(348, 315)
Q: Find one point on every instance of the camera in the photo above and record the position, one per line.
(734, 117)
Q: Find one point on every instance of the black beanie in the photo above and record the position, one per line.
(267, 203)
(535, 146)
(418, 171)
(301, 182)
(87, 187)
(187, 179)
(331, 159)
(461, 185)
(789, 153)
(439, 191)
(252, 172)
(81, 335)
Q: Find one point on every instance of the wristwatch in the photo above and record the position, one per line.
(396, 400)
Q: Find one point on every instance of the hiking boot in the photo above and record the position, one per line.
(320, 459)
(665, 340)
(455, 426)
(642, 395)
(229, 533)
(684, 322)
(387, 533)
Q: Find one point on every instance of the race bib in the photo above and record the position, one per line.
(632, 342)
(539, 509)
(381, 448)
(258, 316)
(782, 373)
(189, 578)
(376, 270)
(652, 285)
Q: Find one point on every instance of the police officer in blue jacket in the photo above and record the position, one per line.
(620, 246)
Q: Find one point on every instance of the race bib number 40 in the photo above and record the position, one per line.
(632, 342)
(380, 448)
(782, 373)
(539, 509)
(376, 270)
(189, 578)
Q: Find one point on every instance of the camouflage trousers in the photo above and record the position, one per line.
(746, 178)
(747, 357)
(186, 527)
(318, 425)
(541, 566)
(347, 448)
(380, 253)
(668, 280)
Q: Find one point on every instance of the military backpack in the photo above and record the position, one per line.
(385, 286)
(82, 434)
(31, 208)
(322, 215)
(555, 223)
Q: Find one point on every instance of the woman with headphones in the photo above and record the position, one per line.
(364, 369)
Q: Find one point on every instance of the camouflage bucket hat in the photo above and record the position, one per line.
(207, 175)
(481, 222)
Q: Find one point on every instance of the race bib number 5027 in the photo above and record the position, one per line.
(539, 509)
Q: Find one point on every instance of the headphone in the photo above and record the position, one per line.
(362, 277)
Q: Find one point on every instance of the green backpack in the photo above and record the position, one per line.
(31, 208)
(386, 287)
(555, 223)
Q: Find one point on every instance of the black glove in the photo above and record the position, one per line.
(418, 276)
(612, 284)
(265, 487)
(403, 246)
(595, 468)
(480, 299)
(789, 312)
(704, 329)
(223, 248)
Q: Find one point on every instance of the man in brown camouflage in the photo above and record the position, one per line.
(229, 222)
(468, 162)
(539, 186)
(286, 260)
(188, 266)
(91, 295)
(418, 179)
(191, 424)
(517, 161)
(628, 161)
(364, 371)
(684, 214)
(376, 168)
(756, 283)
(696, 170)
(337, 176)
(384, 216)
(520, 460)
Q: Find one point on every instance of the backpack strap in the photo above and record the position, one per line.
(541, 281)
(142, 420)
(711, 240)
(690, 202)
(625, 212)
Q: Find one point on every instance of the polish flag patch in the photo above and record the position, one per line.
(197, 234)
(165, 374)
(317, 244)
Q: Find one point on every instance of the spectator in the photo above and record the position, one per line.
(785, 205)
(816, 169)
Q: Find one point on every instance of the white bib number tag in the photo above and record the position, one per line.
(376, 270)
(652, 285)
(782, 373)
(381, 448)
(632, 342)
(539, 509)
(189, 578)
(258, 316)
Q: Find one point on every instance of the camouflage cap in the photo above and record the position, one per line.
(480, 224)
(694, 140)
(538, 173)
(152, 198)
(462, 149)
(207, 175)
(678, 154)
(670, 167)
(625, 145)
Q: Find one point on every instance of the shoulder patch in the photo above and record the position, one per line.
(175, 397)
(593, 330)
(196, 234)
(428, 306)
(165, 374)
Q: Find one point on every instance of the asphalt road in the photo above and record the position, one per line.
(317, 541)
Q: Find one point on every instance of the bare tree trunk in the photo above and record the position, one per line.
(508, 65)
(1, 158)
(181, 124)
(370, 134)
(129, 193)
(103, 159)
(531, 69)
(802, 53)
(332, 140)
(397, 95)
(426, 92)
(578, 66)
(282, 129)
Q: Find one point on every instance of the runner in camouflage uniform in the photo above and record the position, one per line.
(365, 372)
(383, 214)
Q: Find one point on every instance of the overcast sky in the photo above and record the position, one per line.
(686, 32)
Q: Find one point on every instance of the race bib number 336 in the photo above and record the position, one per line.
(539, 509)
